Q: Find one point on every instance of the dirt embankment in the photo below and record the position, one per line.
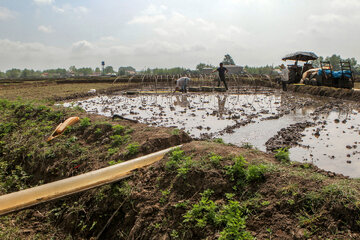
(204, 190)
(92, 143)
(340, 93)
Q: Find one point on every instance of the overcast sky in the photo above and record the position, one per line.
(43, 34)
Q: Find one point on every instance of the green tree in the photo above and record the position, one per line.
(13, 73)
(97, 70)
(269, 70)
(2, 75)
(85, 71)
(316, 63)
(72, 69)
(123, 70)
(228, 60)
(26, 73)
(59, 71)
(335, 62)
(201, 66)
(109, 69)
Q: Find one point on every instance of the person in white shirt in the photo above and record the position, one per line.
(284, 76)
(181, 84)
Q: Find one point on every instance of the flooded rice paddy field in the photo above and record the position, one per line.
(322, 131)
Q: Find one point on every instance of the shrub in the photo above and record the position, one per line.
(132, 149)
(85, 122)
(282, 155)
(112, 151)
(231, 217)
(175, 131)
(237, 171)
(219, 140)
(118, 129)
(179, 162)
(202, 213)
(119, 140)
(175, 157)
(247, 145)
(255, 173)
(215, 159)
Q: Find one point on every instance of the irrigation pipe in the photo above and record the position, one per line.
(33, 196)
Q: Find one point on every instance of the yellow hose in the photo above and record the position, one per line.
(32, 196)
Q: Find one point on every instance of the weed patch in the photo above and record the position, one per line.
(229, 217)
(282, 155)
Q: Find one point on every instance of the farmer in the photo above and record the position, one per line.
(284, 76)
(181, 84)
(221, 71)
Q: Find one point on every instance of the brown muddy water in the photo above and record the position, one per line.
(330, 140)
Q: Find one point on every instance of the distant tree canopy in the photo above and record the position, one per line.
(269, 70)
(228, 60)
(58, 71)
(108, 69)
(166, 71)
(335, 62)
(29, 73)
(201, 66)
(86, 71)
(124, 70)
(13, 73)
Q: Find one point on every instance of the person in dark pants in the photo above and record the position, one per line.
(284, 77)
(222, 71)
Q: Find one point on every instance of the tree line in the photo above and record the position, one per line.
(335, 62)
(62, 72)
(227, 60)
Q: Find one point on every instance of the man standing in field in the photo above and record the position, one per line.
(181, 84)
(221, 71)
(284, 76)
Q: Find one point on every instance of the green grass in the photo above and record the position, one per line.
(282, 155)
(132, 149)
(230, 217)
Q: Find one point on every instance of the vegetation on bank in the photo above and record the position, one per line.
(26, 159)
(203, 190)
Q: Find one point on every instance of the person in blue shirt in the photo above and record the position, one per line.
(222, 70)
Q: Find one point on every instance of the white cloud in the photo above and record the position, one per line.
(45, 29)
(29, 55)
(43, 2)
(154, 10)
(81, 47)
(68, 8)
(328, 18)
(345, 4)
(147, 19)
(6, 14)
(58, 10)
(150, 15)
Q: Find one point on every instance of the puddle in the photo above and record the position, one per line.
(198, 114)
(333, 143)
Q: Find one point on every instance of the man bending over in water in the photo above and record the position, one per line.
(181, 84)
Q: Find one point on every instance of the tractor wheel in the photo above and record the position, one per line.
(319, 81)
(313, 82)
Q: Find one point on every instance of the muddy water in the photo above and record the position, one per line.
(200, 115)
(333, 143)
